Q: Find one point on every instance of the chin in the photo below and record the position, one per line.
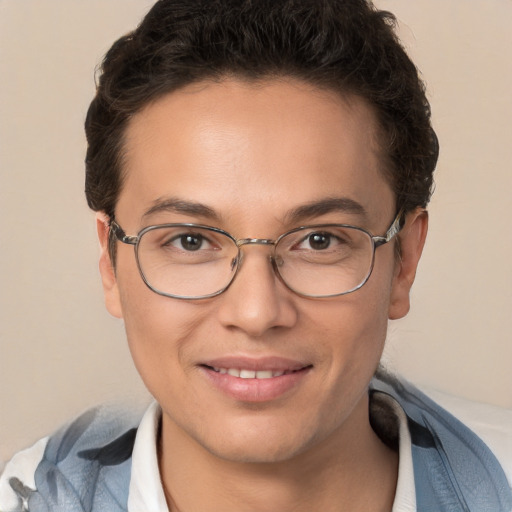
(261, 443)
(259, 453)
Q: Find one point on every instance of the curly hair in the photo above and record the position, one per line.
(344, 45)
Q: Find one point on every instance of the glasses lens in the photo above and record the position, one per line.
(186, 261)
(326, 260)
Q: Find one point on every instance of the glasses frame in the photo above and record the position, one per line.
(377, 241)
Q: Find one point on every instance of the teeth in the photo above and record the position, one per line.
(249, 374)
(264, 374)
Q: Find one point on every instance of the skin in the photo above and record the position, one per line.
(252, 153)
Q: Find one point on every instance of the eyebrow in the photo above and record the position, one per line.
(324, 206)
(296, 215)
(175, 205)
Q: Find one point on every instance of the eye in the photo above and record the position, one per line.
(334, 239)
(333, 244)
(191, 242)
(319, 241)
(188, 242)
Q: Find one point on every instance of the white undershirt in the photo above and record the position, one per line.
(405, 495)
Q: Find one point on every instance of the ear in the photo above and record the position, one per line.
(412, 239)
(107, 271)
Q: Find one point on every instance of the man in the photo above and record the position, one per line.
(270, 163)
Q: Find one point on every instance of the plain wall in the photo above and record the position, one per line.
(60, 352)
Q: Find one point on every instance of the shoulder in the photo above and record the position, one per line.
(75, 465)
(456, 461)
(491, 423)
(17, 481)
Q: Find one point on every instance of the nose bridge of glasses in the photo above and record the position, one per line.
(255, 241)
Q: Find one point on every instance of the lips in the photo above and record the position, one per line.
(255, 380)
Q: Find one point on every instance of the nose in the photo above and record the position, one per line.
(257, 301)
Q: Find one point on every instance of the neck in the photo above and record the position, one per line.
(351, 470)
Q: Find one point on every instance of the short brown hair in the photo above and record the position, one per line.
(345, 45)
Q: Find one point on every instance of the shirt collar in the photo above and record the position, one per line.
(146, 490)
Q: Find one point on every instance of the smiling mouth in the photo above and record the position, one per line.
(255, 380)
(242, 373)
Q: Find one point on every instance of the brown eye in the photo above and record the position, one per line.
(186, 241)
(191, 242)
(319, 241)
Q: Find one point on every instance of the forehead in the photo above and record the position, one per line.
(242, 148)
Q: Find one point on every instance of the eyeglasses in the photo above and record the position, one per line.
(193, 261)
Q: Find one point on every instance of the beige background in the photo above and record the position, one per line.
(60, 351)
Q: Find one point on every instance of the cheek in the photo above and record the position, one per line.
(354, 331)
(349, 335)
(358, 319)
(359, 337)
(158, 329)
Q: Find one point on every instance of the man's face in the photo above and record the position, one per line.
(253, 153)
